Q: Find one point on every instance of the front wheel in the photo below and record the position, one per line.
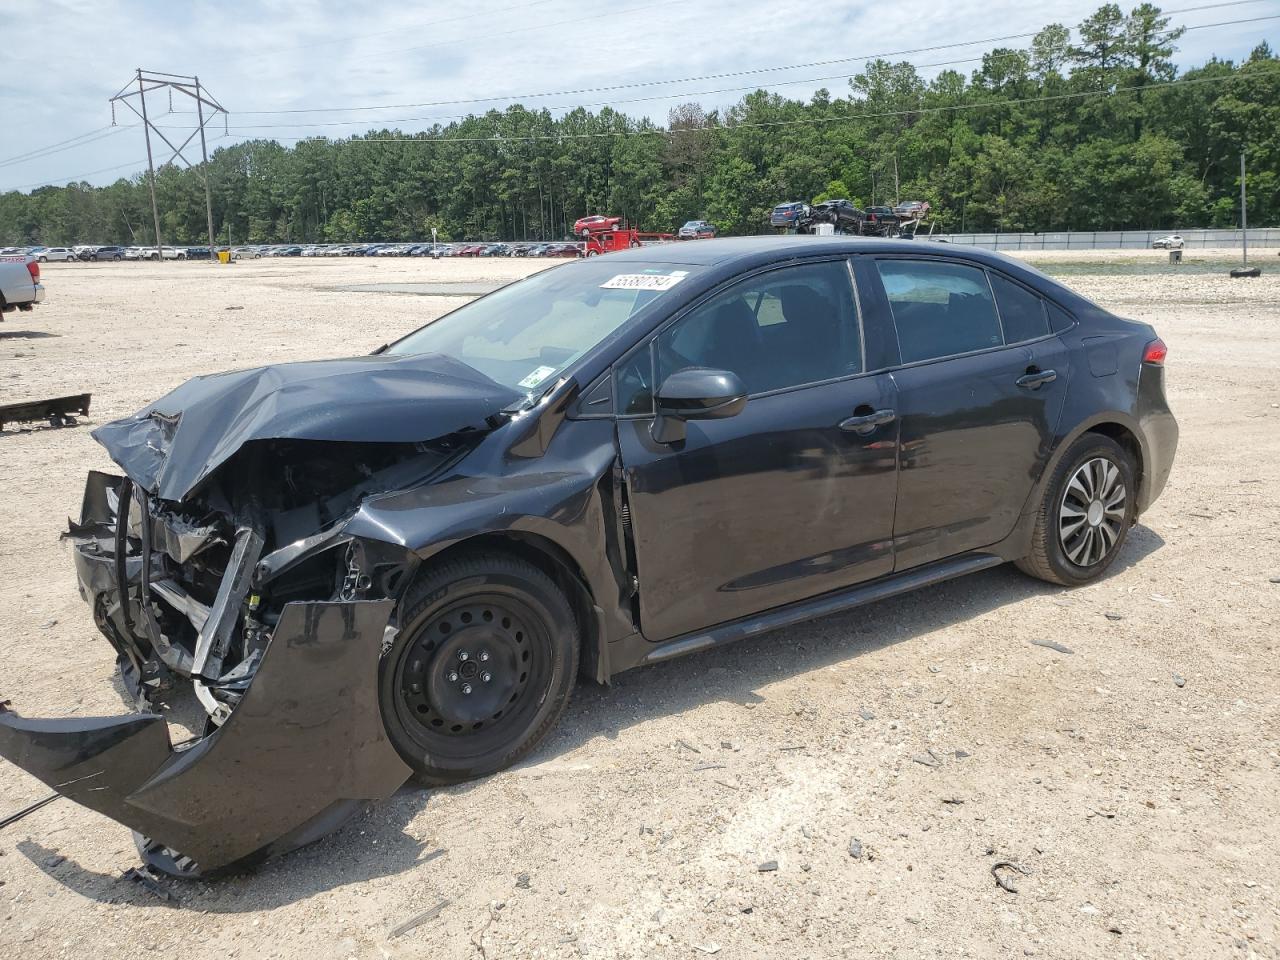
(1085, 515)
(44, 259)
(481, 668)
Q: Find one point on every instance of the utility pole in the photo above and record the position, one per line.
(1244, 213)
(151, 170)
(204, 163)
(150, 80)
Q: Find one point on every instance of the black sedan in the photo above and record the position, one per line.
(400, 564)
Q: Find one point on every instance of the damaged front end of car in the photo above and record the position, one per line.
(232, 573)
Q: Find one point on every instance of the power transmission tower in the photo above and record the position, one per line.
(148, 81)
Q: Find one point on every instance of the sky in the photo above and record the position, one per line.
(63, 59)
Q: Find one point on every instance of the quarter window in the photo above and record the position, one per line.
(940, 309)
(782, 329)
(1021, 312)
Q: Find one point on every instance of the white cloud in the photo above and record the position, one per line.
(64, 58)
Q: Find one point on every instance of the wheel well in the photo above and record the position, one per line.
(553, 560)
(1123, 436)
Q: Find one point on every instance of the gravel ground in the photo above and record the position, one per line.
(885, 759)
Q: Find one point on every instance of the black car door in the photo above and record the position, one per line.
(780, 502)
(979, 394)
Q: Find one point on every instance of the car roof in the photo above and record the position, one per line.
(746, 251)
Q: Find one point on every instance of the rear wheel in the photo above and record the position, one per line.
(481, 668)
(1085, 515)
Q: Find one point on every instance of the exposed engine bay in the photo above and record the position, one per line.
(208, 578)
(220, 559)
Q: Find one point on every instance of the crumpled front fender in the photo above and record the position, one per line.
(296, 758)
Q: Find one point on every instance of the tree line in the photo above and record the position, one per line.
(1095, 131)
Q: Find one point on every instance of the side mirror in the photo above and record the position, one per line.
(696, 394)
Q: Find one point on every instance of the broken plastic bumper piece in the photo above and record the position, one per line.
(299, 755)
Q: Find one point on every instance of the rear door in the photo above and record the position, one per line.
(787, 499)
(979, 393)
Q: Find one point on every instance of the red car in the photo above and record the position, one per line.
(471, 250)
(563, 250)
(596, 224)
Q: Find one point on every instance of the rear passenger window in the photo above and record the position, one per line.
(940, 309)
(1021, 311)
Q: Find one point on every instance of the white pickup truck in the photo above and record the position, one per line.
(20, 286)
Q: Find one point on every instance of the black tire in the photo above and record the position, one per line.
(44, 259)
(481, 668)
(1074, 543)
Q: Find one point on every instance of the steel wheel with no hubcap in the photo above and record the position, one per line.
(1092, 514)
(472, 666)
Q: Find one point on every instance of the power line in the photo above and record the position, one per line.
(541, 26)
(349, 38)
(78, 176)
(910, 111)
(41, 152)
(679, 94)
(712, 76)
(657, 131)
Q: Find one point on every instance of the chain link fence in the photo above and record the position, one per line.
(1110, 239)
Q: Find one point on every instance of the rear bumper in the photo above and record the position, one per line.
(1159, 435)
(297, 757)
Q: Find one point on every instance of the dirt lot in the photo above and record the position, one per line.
(1135, 780)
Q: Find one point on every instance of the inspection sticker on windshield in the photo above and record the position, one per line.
(536, 377)
(645, 281)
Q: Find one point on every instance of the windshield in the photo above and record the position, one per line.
(524, 335)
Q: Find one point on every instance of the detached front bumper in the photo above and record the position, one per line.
(296, 758)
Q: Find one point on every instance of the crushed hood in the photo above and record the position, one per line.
(172, 445)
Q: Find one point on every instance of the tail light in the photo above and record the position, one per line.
(33, 268)
(1155, 353)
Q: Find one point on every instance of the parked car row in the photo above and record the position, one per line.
(409, 250)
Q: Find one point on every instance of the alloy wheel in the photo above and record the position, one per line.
(1092, 514)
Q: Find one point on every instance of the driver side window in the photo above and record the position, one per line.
(780, 329)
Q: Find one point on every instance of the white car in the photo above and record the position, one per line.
(1171, 242)
(55, 254)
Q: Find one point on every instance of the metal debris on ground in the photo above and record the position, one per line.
(1052, 645)
(15, 817)
(522, 881)
(145, 878)
(708, 766)
(855, 849)
(707, 947)
(57, 412)
(1113, 616)
(1006, 883)
(687, 746)
(417, 920)
(953, 801)
(769, 866)
(866, 714)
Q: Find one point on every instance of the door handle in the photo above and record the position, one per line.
(866, 423)
(1034, 379)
